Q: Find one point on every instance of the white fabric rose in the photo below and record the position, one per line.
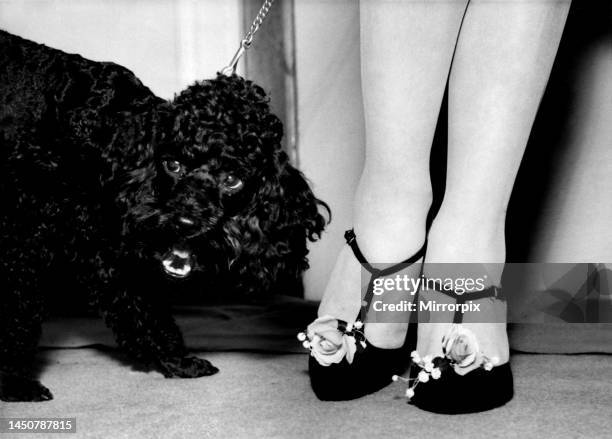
(328, 345)
(461, 346)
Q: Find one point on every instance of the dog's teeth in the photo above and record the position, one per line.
(177, 263)
(180, 253)
(183, 271)
(176, 271)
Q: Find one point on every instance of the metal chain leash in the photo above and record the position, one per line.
(248, 38)
(261, 16)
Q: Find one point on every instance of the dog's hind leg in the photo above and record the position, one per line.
(20, 327)
(144, 329)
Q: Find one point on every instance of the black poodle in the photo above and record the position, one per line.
(109, 190)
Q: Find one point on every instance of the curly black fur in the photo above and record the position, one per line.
(101, 181)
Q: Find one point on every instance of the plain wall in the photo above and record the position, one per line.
(576, 213)
(168, 44)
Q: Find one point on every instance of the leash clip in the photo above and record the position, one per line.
(230, 69)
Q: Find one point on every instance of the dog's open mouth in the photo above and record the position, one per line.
(177, 263)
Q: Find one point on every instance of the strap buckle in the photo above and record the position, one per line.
(349, 236)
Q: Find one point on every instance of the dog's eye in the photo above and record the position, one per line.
(173, 166)
(231, 182)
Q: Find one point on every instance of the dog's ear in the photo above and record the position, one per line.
(299, 208)
(271, 236)
(285, 214)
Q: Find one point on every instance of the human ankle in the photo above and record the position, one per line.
(467, 242)
(394, 233)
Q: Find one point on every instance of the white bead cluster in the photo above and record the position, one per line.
(430, 371)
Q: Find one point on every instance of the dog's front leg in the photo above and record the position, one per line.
(147, 332)
(20, 327)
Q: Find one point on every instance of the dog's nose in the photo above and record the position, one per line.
(186, 221)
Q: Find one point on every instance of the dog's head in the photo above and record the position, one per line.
(211, 183)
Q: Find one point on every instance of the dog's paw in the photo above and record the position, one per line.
(186, 367)
(14, 388)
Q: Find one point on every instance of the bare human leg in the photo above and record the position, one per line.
(503, 60)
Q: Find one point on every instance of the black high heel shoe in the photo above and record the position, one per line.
(343, 365)
(435, 386)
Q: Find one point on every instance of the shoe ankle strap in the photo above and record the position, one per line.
(492, 292)
(351, 240)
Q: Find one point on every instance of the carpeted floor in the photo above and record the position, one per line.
(263, 391)
(267, 395)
